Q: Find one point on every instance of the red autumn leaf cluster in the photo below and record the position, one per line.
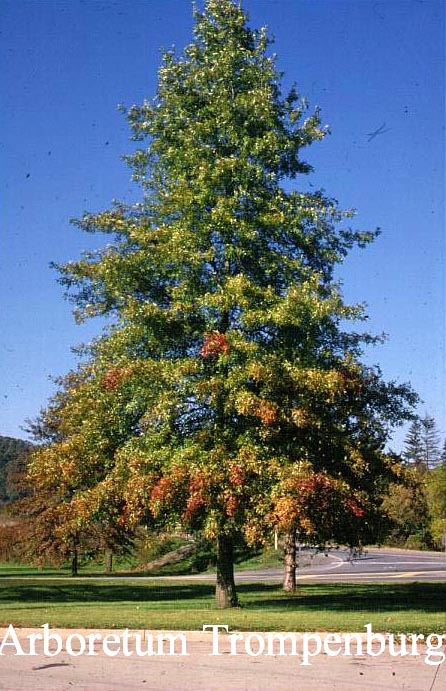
(215, 344)
(194, 504)
(113, 378)
(199, 483)
(162, 491)
(199, 486)
(354, 507)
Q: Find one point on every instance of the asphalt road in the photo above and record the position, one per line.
(375, 565)
(383, 565)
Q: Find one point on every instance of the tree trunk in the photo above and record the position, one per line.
(75, 562)
(225, 593)
(289, 579)
(109, 561)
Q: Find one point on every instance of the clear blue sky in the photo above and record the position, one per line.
(370, 65)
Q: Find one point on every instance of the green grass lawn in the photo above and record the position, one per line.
(111, 603)
(12, 569)
(122, 566)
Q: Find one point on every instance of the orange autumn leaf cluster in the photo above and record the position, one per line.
(232, 504)
(163, 491)
(267, 412)
(190, 492)
(249, 404)
(237, 475)
(195, 503)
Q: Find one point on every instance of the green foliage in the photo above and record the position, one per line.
(416, 507)
(204, 557)
(419, 541)
(13, 454)
(406, 505)
(436, 498)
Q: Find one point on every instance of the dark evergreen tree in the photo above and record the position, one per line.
(430, 440)
(443, 454)
(413, 449)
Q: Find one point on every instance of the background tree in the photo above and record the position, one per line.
(413, 447)
(54, 528)
(436, 499)
(343, 438)
(227, 356)
(422, 444)
(13, 459)
(56, 524)
(430, 440)
(443, 454)
(314, 508)
(407, 507)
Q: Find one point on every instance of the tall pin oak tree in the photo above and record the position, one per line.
(226, 379)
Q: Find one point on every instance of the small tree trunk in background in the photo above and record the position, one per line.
(225, 593)
(75, 562)
(289, 579)
(109, 561)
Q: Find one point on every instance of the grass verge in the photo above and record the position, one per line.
(187, 605)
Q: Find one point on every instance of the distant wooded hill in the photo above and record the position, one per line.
(12, 460)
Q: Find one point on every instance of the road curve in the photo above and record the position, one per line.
(376, 565)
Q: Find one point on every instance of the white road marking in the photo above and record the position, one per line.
(408, 563)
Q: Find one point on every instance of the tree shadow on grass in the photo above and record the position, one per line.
(55, 592)
(425, 597)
